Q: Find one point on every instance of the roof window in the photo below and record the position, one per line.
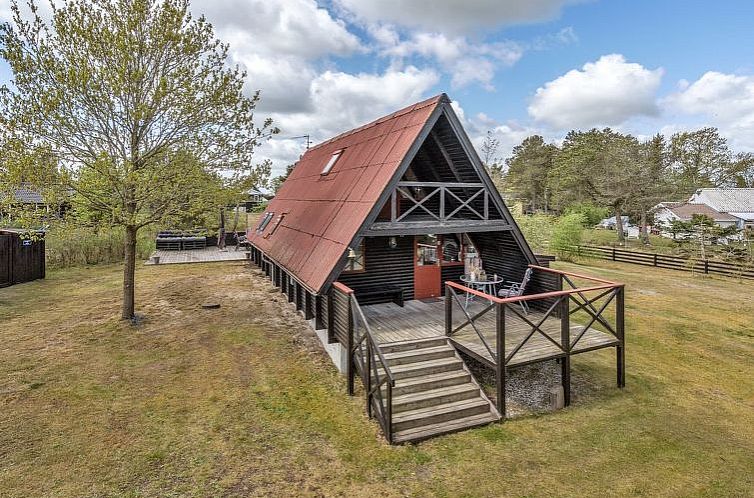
(333, 159)
(265, 221)
(276, 225)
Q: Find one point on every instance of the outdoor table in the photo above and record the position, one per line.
(488, 286)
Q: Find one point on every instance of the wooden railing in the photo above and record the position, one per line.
(452, 200)
(591, 300)
(369, 363)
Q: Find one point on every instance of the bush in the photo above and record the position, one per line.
(592, 214)
(567, 234)
(537, 229)
(67, 245)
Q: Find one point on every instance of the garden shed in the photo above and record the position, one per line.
(22, 256)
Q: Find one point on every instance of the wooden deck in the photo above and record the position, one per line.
(420, 319)
(206, 255)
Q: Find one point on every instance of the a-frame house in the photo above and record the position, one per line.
(392, 240)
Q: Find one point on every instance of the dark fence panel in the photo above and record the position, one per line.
(6, 278)
(20, 260)
(666, 261)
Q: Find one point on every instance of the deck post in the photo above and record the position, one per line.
(349, 347)
(368, 378)
(500, 357)
(449, 292)
(330, 319)
(620, 351)
(565, 341)
(318, 324)
(308, 297)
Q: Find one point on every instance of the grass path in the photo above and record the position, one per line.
(238, 402)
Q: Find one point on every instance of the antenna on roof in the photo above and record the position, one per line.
(308, 141)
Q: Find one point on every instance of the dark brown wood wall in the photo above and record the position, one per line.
(384, 266)
(452, 273)
(20, 263)
(501, 254)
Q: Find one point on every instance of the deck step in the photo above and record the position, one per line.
(440, 413)
(427, 431)
(393, 347)
(425, 367)
(434, 397)
(431, 381)
(422, 354)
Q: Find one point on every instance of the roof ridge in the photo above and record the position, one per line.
(442, 97)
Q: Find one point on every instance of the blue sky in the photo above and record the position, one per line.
(513, 67)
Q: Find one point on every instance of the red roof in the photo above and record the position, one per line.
(323, 213)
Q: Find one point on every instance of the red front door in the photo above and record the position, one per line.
(427, 274)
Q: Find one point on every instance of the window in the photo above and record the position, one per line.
(333, 159)
(355, 262)
(276, 225)
(265, 221)
(451, 249)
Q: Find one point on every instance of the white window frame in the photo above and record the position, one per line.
(333, 159)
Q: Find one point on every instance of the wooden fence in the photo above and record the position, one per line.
(20, 260)
(706, 266)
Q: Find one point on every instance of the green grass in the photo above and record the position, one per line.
(239, 401)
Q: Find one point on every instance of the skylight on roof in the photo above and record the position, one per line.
(265, 221)
(333, 159)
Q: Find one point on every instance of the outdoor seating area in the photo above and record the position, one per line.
(181, 240)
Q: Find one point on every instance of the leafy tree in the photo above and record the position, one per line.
(489, 149)
(528, 170)
(137, 103)
(567, 234)
(702, 228)
(600, 167)
(702, 158)
(277, 182)
(653, 182)
(591, 214)
(744, 166)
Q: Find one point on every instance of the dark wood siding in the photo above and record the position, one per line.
(309, 309)
(384, 266)
(20, 261)
(501, 254)
(453, 273)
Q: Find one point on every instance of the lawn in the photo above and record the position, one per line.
(239, 401)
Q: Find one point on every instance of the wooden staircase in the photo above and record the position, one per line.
(434, 391)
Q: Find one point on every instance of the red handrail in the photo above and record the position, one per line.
(342, 287)
(529, 297)
(575, 275)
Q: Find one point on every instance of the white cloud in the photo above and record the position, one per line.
(606, 92)
(279, 45)
(454, 16)
(290, 27)
(466, 62)
(723, 100)
(342, 101)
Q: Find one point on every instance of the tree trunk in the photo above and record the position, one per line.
(129, 269)
(221, 231)
(619, 224)
(643, 230)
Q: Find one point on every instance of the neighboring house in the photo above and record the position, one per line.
(368, 233)
(254, 198)
(736, 202)
(667, 212)
(27, 196)
(611, 222)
